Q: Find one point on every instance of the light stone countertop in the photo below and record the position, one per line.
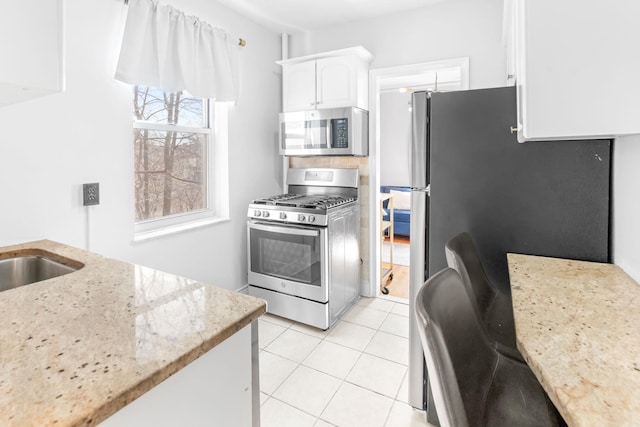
(578, 328)
(77, 348)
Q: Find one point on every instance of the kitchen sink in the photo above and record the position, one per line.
(25, 269)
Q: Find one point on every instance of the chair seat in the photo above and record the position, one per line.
(473, 384)
(498, 318)
(516, 398)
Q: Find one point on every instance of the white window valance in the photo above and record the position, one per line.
(162, 47)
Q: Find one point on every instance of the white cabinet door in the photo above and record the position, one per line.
(326, 80)
(31, 49)
(337, 82)
(578, 69)
(299, 86)
(509, 40)
(217, 389)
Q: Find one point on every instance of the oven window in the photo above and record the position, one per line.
(287, 256)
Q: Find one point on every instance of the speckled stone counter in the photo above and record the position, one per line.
(578, 328)
(77, 348)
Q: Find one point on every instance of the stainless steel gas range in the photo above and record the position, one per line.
(304, 258)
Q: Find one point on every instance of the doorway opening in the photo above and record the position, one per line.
(395, 189)
(390, 91)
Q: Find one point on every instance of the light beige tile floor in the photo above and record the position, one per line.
(353, 375)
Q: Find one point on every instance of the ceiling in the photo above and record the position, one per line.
(289, 16)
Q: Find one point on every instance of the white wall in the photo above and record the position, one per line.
(445, 30)
(452, 29)
(626, 204)
(50, 146)
(473, 28)
(395, 138)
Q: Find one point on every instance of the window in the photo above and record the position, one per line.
(179, 162)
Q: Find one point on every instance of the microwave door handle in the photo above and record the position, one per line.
(329, 133)
(286, 230)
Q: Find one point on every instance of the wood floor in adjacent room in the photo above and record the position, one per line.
(398, 286)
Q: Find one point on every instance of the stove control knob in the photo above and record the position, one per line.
(311, 218)
(257, 213)
(301, 218)
(265, 214)
(283, 215)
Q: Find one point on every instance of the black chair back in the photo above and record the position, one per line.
(494, 308)
(461, 356)
(463, 257)
(472, 383)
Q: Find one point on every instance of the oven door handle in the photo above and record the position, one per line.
(286, 230)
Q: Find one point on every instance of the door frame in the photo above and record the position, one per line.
(387, 78)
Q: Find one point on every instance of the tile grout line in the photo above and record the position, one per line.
(291, 373)
(344, 380)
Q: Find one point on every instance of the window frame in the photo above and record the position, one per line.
(216, 175)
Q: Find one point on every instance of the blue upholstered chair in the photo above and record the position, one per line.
(401, 210)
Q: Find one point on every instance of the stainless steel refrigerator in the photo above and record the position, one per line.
(470, 174)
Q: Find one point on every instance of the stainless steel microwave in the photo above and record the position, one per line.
(328, 132)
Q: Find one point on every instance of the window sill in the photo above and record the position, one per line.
(175, 229)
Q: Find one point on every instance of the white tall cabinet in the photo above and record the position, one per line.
(31, 47)
(327, 80)
(576, 67)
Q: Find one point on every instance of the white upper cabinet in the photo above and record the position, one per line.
(31, 47)
(337, 82)
(299, 86)
(509, 40)
(576, 66)
(326, 80)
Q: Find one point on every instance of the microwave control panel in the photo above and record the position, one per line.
(340, 134)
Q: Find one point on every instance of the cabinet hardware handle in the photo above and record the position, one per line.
(514, 129)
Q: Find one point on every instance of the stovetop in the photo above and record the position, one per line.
(307, 209)
(314, 194)
(305, 201)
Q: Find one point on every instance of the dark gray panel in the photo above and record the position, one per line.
(541, 198)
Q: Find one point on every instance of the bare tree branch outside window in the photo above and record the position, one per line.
(170, 164)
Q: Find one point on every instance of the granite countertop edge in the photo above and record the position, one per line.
(225, 312)
(577, 328)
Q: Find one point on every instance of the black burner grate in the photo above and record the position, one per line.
(319, 202)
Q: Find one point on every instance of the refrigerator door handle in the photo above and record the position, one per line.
(426, 189)
(417, 276)
(419, 143)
